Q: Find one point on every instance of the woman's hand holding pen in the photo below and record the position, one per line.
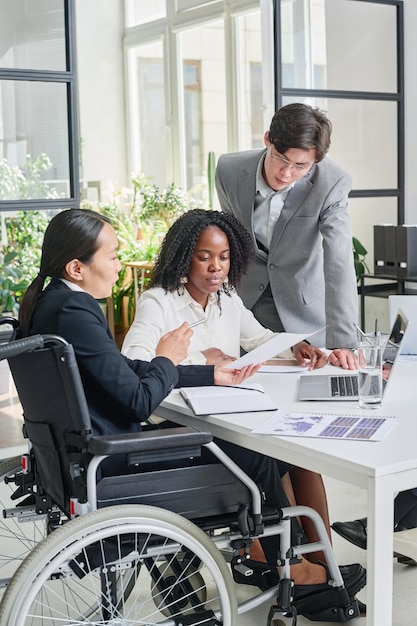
(304, 350)
(174, 345)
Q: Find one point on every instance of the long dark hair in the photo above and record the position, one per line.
(71, 234)
(177, 249)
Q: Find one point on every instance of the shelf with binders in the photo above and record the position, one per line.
(391, 285)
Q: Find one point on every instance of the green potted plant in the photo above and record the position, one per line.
(12, 283)
(141, 216)
(359, 254)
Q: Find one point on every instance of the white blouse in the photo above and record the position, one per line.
(229, 328)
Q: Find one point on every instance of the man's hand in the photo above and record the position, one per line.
(215, 356)
(342, 357)
(228, 376)
(175, 344)
(304, 350)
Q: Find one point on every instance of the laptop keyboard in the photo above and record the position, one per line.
(344, 386)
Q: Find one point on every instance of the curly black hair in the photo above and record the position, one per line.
(174, 258)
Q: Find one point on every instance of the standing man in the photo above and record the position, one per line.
(293, 199)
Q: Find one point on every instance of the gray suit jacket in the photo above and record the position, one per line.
(310, 262)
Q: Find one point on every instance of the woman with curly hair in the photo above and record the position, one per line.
(200, 263)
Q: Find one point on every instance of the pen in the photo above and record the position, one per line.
(198, 322)
(363, 334)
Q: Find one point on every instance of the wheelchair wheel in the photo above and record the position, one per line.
(114, 566)
(17, 538)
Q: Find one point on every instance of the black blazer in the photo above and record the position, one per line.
(120, 392)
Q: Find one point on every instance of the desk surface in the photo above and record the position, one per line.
(393, 455)
(382, 468)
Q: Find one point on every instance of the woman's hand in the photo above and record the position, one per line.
(229, 376)
(304, 350)
(215, 356)
(175, 344)
(342, 357)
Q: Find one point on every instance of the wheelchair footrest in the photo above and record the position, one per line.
(318, 603)
(329, 604)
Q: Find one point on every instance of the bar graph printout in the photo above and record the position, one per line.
(327, 426)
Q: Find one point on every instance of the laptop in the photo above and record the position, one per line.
(408, 304)
(344, 387)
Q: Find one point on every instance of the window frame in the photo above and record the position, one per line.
(69, 78)
(398, 97)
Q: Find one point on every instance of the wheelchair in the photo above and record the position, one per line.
(160, 544)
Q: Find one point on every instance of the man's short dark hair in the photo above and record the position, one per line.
(300, 126)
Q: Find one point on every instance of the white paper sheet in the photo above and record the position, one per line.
(269, 349)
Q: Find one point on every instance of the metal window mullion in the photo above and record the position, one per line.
(174, 110)
(233, 113)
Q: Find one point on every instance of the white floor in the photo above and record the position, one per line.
(348, 502)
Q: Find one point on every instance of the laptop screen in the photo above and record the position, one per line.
(393, 345)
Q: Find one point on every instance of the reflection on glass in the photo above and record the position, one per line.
(34, 160)
(250, 101)
(338, 44)
(150, 141)
(141, 12)
(364, 139)
(204, 97)
(32, 35)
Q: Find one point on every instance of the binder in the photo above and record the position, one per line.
(406, 250)
(379, 248)
(390, 252)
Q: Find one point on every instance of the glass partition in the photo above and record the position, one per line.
(32, 35)
(34, 153)
(371, 156)
(338, 44)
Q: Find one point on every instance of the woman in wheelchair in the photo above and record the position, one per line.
(79, 255)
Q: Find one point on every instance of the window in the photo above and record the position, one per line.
(346, 56)
(38, 133)
(207, 92)
(38, 136)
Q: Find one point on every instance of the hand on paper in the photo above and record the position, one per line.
(342, 357)
(304, 350)
(175, 344)
(215, 356)
(229, 376)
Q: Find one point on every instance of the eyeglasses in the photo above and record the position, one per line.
(298, 168)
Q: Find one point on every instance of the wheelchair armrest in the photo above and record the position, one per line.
(20, 346)
(149, 441)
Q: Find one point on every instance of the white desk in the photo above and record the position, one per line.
(382, 468)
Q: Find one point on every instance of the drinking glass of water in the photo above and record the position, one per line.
(370, 374)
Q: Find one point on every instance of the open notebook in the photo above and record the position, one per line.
(233, 399)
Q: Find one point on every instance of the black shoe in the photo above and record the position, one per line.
(323, 603)
(354, 577)
(264, 576)
(361, 607)
(355, 532)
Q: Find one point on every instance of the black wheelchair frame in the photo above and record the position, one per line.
(155, 545)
